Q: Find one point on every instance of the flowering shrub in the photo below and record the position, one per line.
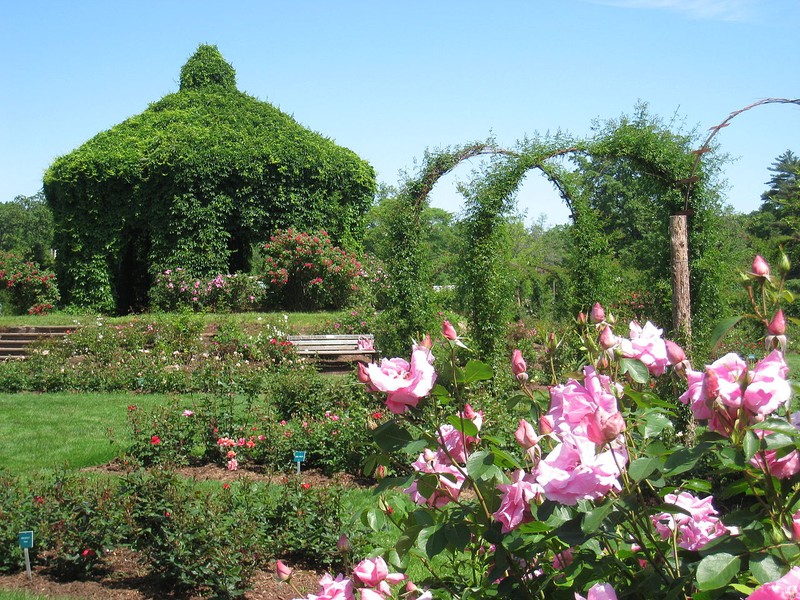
(595, 501)
(174, 290)
(30, 289)
(306, 271)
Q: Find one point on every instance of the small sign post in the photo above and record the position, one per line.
(299, 456)
(25, 539)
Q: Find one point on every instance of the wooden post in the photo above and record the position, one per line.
(679, 256)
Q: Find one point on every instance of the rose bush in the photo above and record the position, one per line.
(605, 497)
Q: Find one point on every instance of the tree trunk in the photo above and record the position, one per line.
(679, 255)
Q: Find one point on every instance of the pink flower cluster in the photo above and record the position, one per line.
(445, 463)
(586, 462)
(729, 396)
(694, 529)
(371, 579)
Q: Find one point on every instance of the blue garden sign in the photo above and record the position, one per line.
(25, 539)
(299, 456)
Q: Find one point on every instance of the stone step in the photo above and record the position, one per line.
(14, 341)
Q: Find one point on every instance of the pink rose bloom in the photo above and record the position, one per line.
(573, 405)
(525, 435)
(599, 591)
(786, 588)
(405, 383)
(340, 588)
(697, 528)
(518, 366)
(760, 266)
(517, 496)
(563, 559)
(448, 331)
(574, 471)
(720, 385)
(282, 572)
(646, 345)
(775, 462)
(455, 442)
(768, 389)
(782, 467)
(374, 573)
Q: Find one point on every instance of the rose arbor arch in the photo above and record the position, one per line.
(490, 197)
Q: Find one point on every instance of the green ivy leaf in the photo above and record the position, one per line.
(717, 570)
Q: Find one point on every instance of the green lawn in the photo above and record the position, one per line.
(295, 321)
(47, 431)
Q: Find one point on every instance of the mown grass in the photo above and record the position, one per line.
(19, 595)
(49, 431)
(295, 321)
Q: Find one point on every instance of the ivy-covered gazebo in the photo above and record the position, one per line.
(195, 181)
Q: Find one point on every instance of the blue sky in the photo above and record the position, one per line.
(392, 79)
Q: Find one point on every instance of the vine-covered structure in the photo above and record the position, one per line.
(195, 181)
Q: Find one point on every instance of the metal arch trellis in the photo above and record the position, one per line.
(706, 147)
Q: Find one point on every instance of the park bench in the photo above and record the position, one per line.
(335, 349)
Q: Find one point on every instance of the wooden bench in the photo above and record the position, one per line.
(335, 348)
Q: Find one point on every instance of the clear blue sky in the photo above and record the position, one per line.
(390, 79)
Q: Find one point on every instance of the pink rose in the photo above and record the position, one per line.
(646, 345)
(574, 404)
(695, 529)
(573, 471)
(598, 314)
(405, 383)
(448, 331)
(525, 435)
(517, 496)
(760, 266)
(607, 338)
(768, 388)
(782, 467)
(518, 366)
(786, 588)
(716, 394)
(778, 324)
(282, 572)
(374, 573)
(599, 591)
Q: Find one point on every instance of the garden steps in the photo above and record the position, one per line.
(15, 341)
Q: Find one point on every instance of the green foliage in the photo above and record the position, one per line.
(26, 229)
(26, 288)
(195, 541)
(205, 68)
(195, 182)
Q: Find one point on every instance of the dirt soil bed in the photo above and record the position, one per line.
(126, 578)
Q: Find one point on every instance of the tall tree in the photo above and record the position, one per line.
(26, 228)
(777, 222)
